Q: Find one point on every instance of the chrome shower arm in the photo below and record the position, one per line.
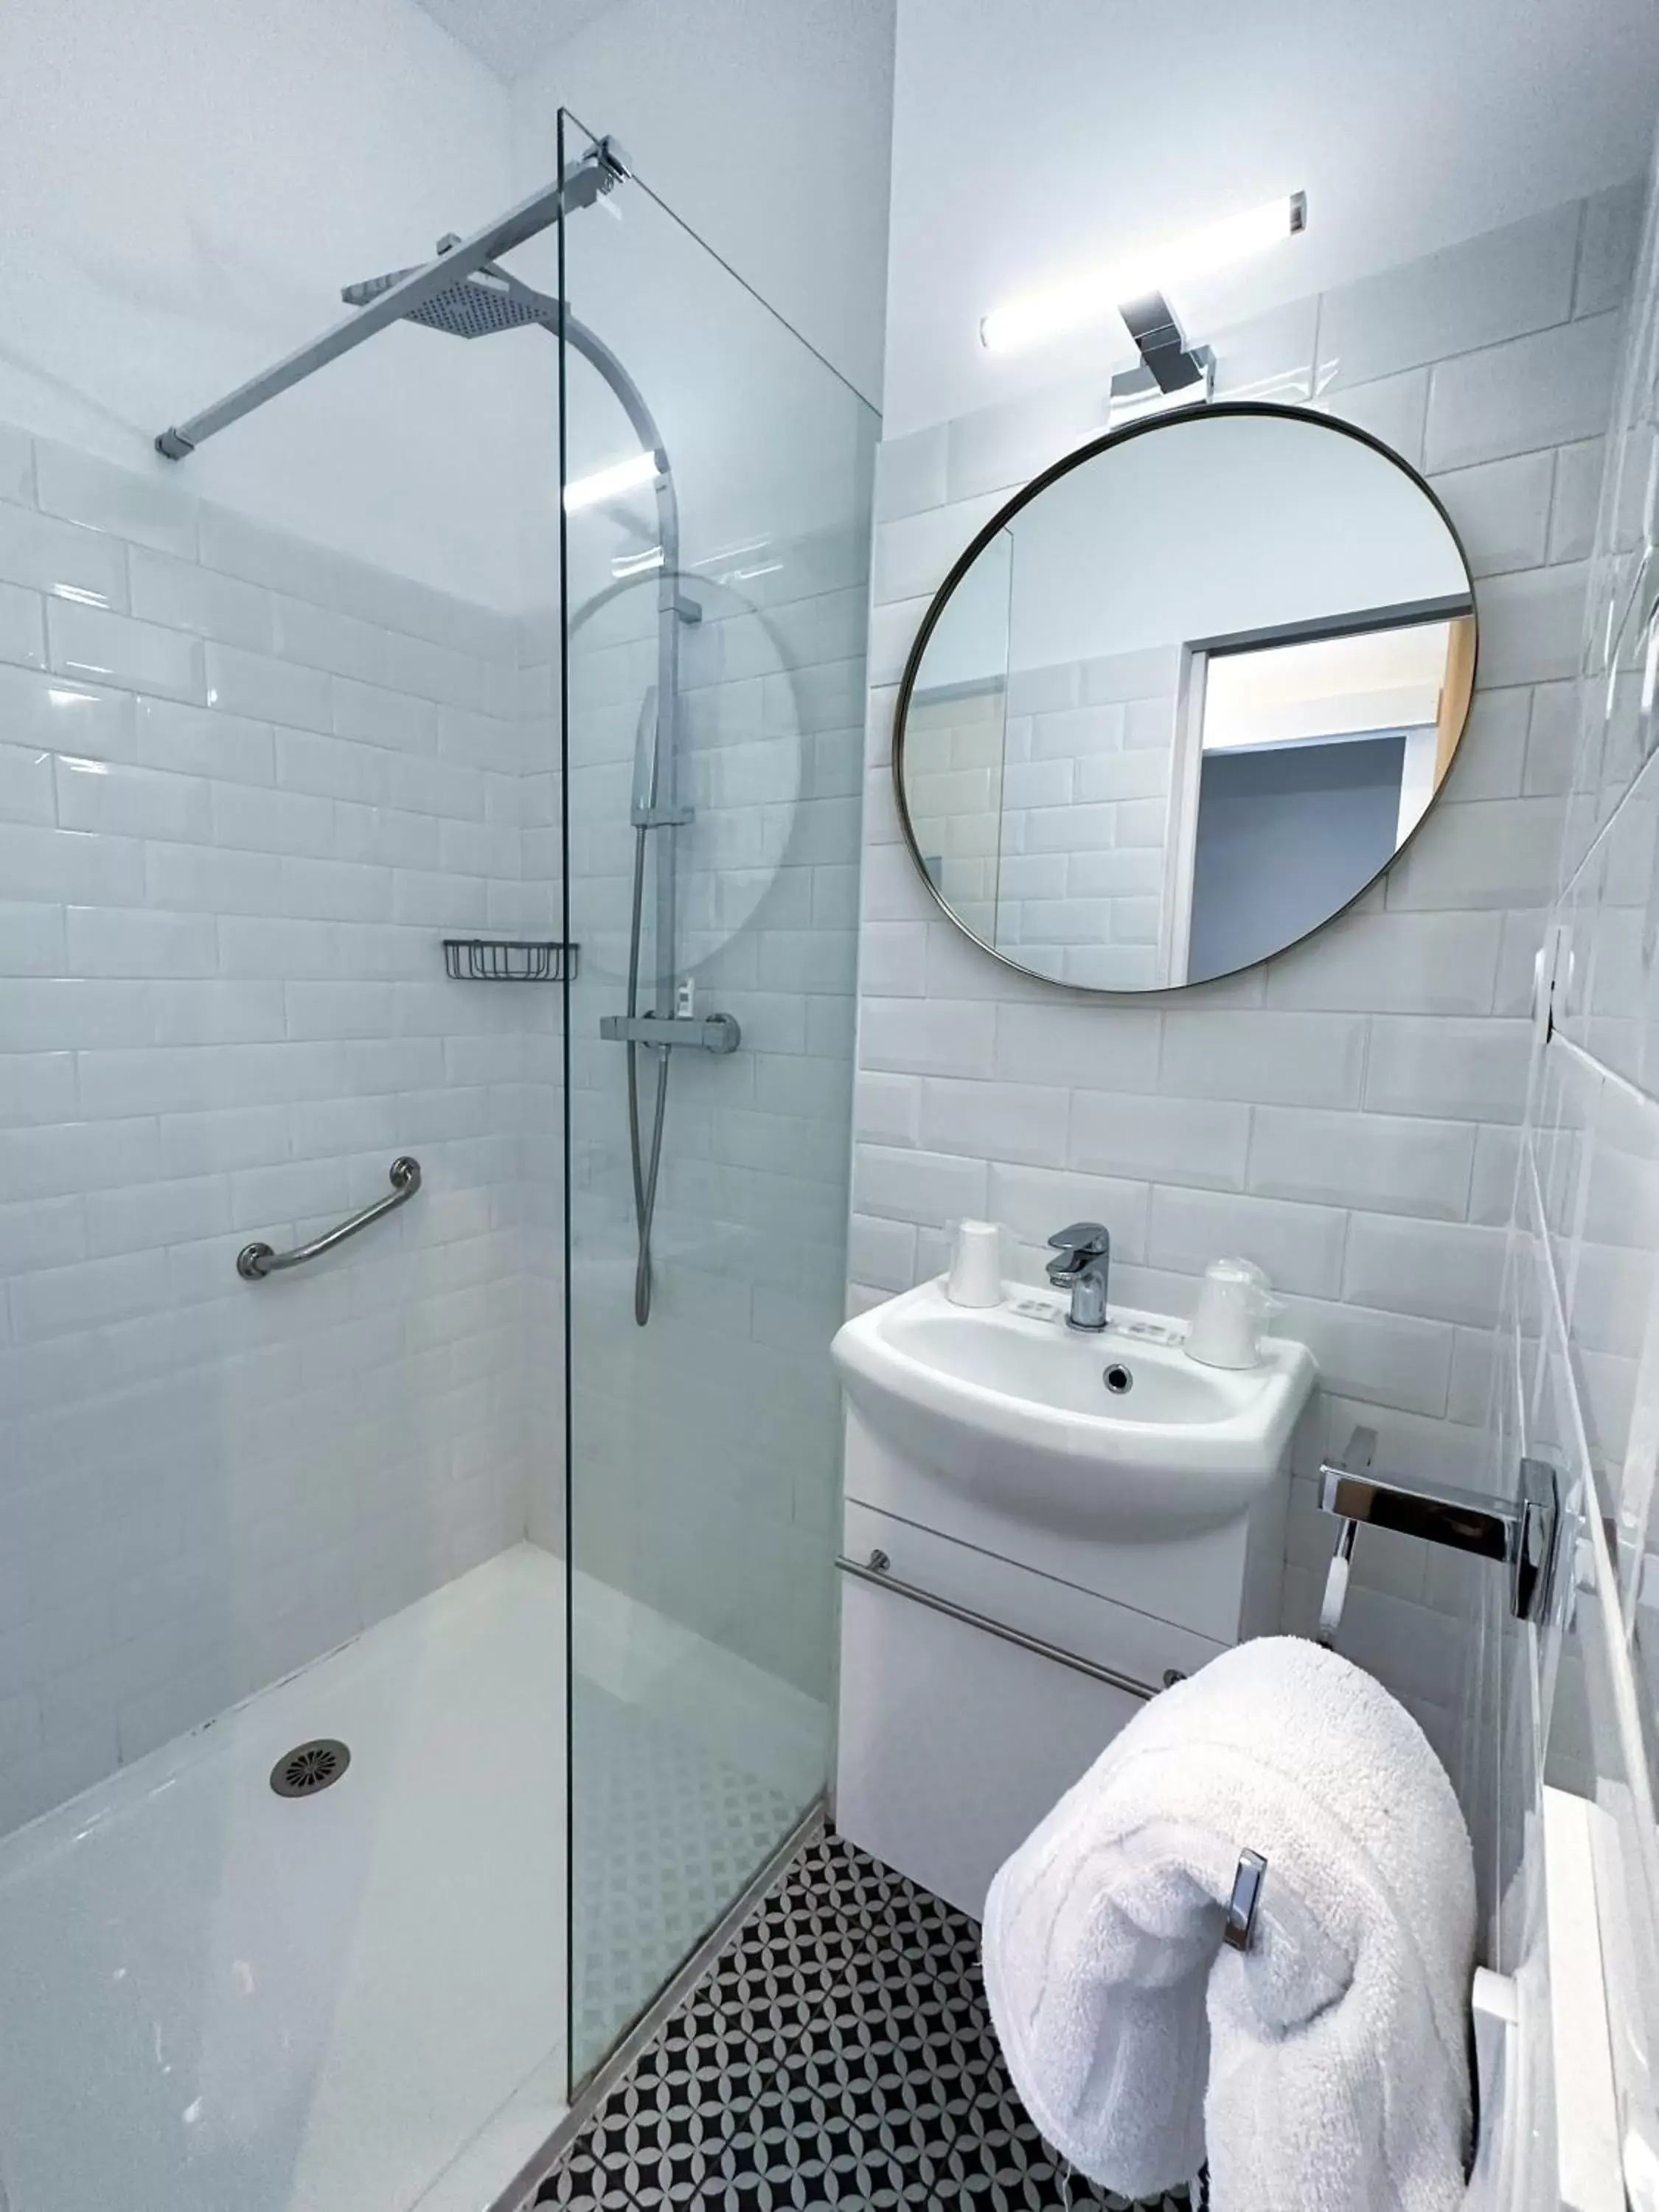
(600, 169)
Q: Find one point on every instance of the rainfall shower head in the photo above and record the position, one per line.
(475, 307)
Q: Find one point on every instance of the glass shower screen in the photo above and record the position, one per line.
(715, 476)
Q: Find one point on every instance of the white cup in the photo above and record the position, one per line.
(1232, 1307)
(975, 1276)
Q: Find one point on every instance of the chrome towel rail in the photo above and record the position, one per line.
(876, 1572)
(255, 1262)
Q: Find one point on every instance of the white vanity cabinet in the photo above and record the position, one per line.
(987, 1654)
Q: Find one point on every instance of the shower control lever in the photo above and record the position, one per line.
(1518, 1532)
(712, 1032)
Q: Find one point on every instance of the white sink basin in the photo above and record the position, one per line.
(1012, 1407)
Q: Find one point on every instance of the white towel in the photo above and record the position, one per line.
(1326, 2069)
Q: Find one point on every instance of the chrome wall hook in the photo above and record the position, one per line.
(1241, 1906)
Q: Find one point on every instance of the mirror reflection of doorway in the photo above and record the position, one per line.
(1310, 762)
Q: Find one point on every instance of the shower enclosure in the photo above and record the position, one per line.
(714, 744)
(423, 1178)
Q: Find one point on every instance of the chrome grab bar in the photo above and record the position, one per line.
(876, 1572)
(255, 1262)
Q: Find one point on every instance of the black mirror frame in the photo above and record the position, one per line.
(999, 521)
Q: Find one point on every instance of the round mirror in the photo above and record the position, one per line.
(1185, 697)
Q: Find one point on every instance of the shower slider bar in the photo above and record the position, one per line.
(255, 1262)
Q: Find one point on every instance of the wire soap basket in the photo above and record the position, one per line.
(508, 960)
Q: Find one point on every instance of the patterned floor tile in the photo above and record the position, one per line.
(838, 2053)
(667, 1834)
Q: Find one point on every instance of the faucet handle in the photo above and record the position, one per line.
(1083, 1240)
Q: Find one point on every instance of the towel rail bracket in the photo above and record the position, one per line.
(1521, 1532)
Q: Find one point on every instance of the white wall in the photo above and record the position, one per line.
(186, 186)
(767, 128)
(1032, 143)
(1345, 1114)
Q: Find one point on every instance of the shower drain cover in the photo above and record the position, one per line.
(310, 1767)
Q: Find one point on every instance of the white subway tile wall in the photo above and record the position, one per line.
(1577, 1350)
(1347, 1113)
(245, 785)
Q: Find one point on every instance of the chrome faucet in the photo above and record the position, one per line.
(1085, 1255)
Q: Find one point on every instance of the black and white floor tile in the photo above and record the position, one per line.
(667, 1834)
(839, 2052)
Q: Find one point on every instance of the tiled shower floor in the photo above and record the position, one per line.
(839, 2052)
(210, 1997)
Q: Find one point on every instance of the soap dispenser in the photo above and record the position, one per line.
(1232, 1307)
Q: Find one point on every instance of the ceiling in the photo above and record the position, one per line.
(510, 36)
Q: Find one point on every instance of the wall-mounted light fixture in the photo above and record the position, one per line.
(1143, 278)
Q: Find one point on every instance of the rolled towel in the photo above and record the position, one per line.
(1326, 2068)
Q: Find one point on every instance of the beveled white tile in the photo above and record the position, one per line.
(1202, 1142)
(1608, 244)
(1490, 852)
(1489, 288)
(910, 474)
(1313, 1059)
(1441, 1271)
(1404, 1165)
(112, 649)
(45, 555)
(914, 554)
(908, 1185)
(1393, 961)
(1461, 1070)
(1301, 1247)
(134, 802)
(1034, 1202)
(17, 466)
(266, 690)
(1578, 472)
(1545, 389)
(182, 596)
(1502, 510)
(1394, 410)
(153, 509)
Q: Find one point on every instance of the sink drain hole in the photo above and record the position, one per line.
(1118, 1379)
(310, 1767)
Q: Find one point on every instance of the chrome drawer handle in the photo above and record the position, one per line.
(878, 1572)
